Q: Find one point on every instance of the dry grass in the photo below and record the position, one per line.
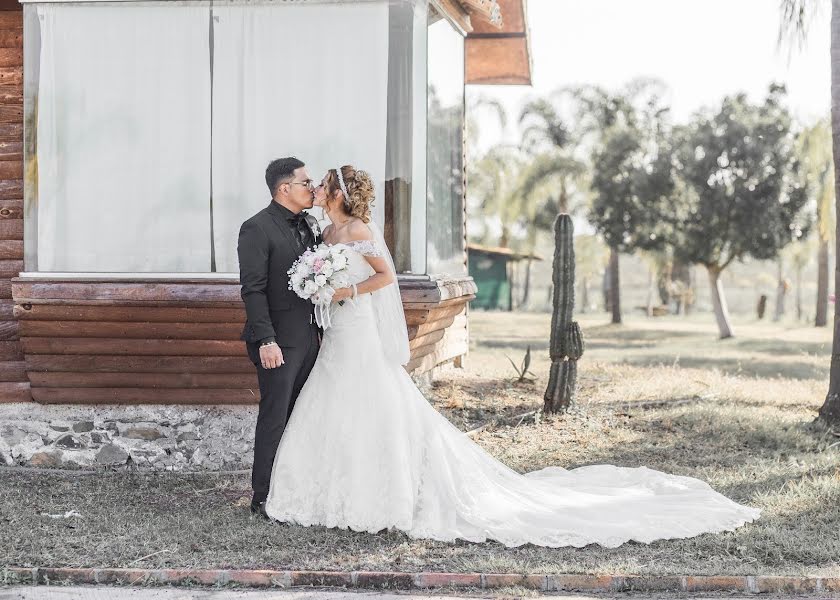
(662, 393)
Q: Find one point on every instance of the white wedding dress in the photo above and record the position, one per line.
(365, 450)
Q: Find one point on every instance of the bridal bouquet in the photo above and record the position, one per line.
(318, 272)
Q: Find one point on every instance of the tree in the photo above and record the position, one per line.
(494, 182)
(631, 120)
(815, 151)
(633, 186)
(796, 15)
(549, 139)
(743, 191)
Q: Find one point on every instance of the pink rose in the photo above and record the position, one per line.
(318, 265)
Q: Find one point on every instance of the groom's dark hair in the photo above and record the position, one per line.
(280, 169)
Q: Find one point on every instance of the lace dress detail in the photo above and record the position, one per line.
(365, 247)
(365, 450)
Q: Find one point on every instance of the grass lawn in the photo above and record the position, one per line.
(664, 393)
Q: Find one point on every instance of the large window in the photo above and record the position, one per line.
(445, 154)
(149, 125)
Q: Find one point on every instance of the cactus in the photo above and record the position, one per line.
(566, 339)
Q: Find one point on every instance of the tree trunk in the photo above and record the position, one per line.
(719, 301)
(652, 290)
(781, 292)
(798, 292)
(830, 411)
(615, 296)
(526, 285)
(584, 292)
(822, 285)
(605, 289)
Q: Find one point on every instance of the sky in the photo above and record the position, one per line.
(701, 49)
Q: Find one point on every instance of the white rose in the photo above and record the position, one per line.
(310, 287)
(327, 268)
(339, 262)
(322, 252)
(320, 280)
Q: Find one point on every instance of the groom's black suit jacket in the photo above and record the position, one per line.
(268, 245)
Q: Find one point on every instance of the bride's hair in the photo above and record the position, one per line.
(359, 188)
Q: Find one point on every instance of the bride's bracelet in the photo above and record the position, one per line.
(355, 291)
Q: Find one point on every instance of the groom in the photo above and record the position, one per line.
(280, 332)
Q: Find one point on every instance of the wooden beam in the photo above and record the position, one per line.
(131, 330)
(103, 363)
(144, 396)
(127, 314)
(144, 380)
(455, 13)
(126, 347)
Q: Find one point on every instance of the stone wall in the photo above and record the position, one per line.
(169, 437)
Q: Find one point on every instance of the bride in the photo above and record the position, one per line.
(365, 450)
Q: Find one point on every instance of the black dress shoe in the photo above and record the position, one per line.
(258, 508)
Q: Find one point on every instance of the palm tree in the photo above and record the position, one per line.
(815, 149)
(796, 16)
(550, 140)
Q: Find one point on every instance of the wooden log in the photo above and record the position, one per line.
(416, 331)
(11, 250)
(11, 209)
(10, 269)
(11, 189)
(125, 347)
(11, 150)
(139, 364)
(431, 305)
(11, 351)
(7, 310)
(420, 295)
(12, 113)
(186, 291)
(11, 229)
(11, 95)
(11, 38)
(455, 344)
(144, 380)
(5, 289)
(10, 169)
(11, 77)
(15, 392)
(429, 338)
(11, 57)
(153, 314)
(13, 371)
(9, 330)
(11, 132)
(418, 317)
(111, 329)
(144, 396)
(11, 19)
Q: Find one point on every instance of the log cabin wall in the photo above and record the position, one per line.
(177, 342)
(14, 386)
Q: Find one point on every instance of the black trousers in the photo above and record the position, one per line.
(279, 388)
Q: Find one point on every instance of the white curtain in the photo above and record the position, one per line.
(124, 138)
(294, 80)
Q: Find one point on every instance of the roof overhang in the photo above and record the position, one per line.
(498, 51)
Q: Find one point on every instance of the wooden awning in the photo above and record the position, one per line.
(498, 48)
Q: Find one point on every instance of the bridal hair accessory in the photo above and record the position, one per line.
(343, 187)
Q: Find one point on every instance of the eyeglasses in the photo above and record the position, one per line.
(308, 183)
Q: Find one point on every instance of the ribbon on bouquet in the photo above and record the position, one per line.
(322, 308)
